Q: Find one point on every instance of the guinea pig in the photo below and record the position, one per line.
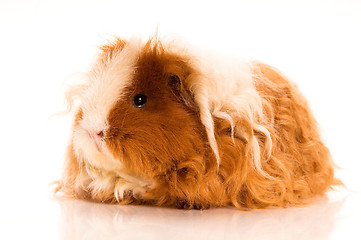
(162, 124)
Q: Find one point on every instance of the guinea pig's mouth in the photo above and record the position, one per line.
(91, 148)
(106, 171)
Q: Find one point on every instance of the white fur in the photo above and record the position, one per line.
(225, 89)
(102, 89)
(106, 84)
(97, 96)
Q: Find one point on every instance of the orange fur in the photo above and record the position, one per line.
(167, 143)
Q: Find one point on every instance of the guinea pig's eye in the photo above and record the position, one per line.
(139, 100)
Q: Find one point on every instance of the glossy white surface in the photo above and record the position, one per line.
(315, 43)
(334, 217)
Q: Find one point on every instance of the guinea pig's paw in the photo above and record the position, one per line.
(124, 188)
(185, 204)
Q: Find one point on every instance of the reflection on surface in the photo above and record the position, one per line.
(85, 220)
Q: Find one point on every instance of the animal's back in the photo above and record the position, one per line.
(299, 163)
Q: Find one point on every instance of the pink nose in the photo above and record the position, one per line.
(100, 134)
(97, 137)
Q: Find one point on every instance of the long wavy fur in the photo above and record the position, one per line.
(256, 144)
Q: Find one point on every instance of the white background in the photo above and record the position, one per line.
(42, 43)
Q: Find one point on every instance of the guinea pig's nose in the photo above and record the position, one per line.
(97, 137)
(100, 134)
(96, 134)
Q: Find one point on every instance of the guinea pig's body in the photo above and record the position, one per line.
(159, 125)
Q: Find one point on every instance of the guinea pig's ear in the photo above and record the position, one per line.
(175, 83)
(178, 89)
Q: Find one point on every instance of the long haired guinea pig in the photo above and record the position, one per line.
(163, 125)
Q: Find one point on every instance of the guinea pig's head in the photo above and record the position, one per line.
(137, 114)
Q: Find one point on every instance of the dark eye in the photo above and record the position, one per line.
(139, 100)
